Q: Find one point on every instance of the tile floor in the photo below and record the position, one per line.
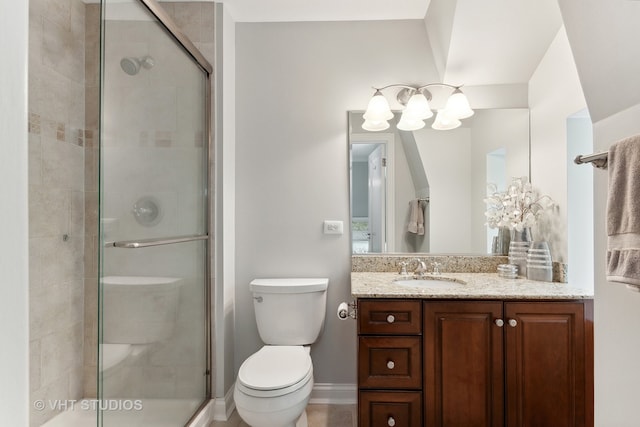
(317, 415)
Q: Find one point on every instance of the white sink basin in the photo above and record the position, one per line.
(430, 283)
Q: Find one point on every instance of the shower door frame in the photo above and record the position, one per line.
(176, 33)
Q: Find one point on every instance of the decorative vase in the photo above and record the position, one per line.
(503, 241)
(518, 247)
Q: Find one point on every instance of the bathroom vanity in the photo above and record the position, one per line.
(482, 351)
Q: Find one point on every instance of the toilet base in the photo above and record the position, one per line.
(302, 421)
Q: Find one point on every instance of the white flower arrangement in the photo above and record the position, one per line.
(518, 207)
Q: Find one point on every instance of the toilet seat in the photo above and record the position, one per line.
(275, 371)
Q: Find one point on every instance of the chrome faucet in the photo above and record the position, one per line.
(421, 268)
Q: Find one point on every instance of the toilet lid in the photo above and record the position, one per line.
(275, 367)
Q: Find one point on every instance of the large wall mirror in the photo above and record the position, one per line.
(423, 191)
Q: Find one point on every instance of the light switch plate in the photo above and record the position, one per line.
(333, 227)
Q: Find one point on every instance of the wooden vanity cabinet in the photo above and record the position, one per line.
(481, 363)
(515, 364)
(390, 363)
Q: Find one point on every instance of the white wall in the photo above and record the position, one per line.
(493, 129)
(604, 38)
(554, 95)
(225, 127)
(617, 313)
(14, 253)
(446, 156)
(295, 82)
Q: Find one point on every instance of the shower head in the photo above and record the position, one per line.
(132, 65)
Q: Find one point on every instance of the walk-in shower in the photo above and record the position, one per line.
(154, 331)
(119, 212)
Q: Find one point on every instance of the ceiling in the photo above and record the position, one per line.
(325, 10)
(473, 42)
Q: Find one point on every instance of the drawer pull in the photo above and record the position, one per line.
(391, 422)
(391, 318)
(499, 323)
(391, 364)
(513, 323)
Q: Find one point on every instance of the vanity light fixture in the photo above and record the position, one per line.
(416, 99)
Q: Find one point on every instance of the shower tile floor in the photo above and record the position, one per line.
(317, 416)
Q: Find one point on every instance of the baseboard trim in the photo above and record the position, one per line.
(334, 394)
(223, 407)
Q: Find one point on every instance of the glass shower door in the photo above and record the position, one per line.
(153, 345)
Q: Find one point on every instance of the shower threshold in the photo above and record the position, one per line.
(133, 413)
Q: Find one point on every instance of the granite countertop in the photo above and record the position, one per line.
(469, 285)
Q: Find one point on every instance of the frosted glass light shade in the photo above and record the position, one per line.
(378, 109)
(417, 108)
(458, 105)
(445, 122)
(408, 123)
(375, 126)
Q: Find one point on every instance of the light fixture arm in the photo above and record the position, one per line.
(416, 87)
(407, 91)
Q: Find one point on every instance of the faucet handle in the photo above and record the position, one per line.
(436, 267)
(403, 268)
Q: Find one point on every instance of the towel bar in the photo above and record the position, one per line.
(598, 160)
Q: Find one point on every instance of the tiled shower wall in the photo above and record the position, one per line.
(92, 116)
(57, 138)
(63, 190)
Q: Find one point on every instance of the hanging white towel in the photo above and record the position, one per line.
(623, 213)
(416, 218)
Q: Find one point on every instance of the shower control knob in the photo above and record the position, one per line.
(391, 364)
(391, 318)
(391, 422)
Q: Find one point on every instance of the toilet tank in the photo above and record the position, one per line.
(289, 311)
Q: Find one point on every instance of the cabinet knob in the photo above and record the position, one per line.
(391, 364)
(391, 318)
(513, 323)
(391, 422)
(499, 323)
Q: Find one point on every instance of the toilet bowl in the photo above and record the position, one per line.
(274, 384)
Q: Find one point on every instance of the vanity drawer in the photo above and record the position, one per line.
(390, 362)
(393, 317)
(390, 408)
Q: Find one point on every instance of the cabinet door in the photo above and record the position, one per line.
(547, 371)
(463, 364)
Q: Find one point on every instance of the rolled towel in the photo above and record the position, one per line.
(623, 213)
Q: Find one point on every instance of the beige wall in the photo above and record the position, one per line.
(56, 201)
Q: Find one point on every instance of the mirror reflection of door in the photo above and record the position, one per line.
(377, 198)
(371, 176)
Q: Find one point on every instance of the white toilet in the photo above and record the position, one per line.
(274, 384)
